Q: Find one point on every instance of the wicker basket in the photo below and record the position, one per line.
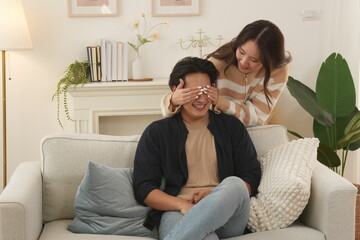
(357, 213)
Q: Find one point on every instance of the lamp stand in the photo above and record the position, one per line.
(4, 116)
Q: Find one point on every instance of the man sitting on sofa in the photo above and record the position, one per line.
(207, 160)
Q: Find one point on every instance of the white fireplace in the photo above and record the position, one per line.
(116, 108)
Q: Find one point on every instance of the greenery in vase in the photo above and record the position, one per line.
(144, 36)
(336, 118)
(76, 73)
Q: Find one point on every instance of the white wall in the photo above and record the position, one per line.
(59, 40)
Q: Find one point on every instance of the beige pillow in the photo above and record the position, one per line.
(284, 188)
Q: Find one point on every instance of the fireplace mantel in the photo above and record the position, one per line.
(92, 101)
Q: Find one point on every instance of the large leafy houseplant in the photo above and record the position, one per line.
(76, 73)
(336, 118)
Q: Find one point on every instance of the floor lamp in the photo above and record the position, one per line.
(14, 35)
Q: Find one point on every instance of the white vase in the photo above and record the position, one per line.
(137, 68)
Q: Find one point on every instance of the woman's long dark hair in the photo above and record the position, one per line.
(270, 41)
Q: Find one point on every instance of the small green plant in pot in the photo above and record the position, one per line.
(76, 73)
(336, 119)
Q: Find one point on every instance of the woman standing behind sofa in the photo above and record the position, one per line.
(253, 73)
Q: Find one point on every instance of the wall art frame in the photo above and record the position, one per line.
(93, 8)
(175, 8)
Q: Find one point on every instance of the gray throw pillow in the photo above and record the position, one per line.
(105, 204)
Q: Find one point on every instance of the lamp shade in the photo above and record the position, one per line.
(14, 32)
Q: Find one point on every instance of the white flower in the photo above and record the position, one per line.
(145, 36)
(136, 24)
(155, 35)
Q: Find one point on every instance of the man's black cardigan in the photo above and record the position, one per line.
(161, 154)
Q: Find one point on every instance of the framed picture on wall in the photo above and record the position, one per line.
(93, 8)
(161, 8)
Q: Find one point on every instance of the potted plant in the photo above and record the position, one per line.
(336, 119)
(76, 73)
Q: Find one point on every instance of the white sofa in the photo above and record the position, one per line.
(38, 201)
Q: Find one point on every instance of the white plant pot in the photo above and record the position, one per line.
(137, 69)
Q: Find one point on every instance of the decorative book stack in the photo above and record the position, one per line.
(94, 57)
(109, 61)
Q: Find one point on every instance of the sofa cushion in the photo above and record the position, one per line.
(57, 230)
(65, 158)
(267, 137)
(105, 204)
(284, 188)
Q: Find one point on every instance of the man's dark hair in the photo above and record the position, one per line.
(189, 65)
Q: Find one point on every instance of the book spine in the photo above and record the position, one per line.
(98, 62)
(93, 63)
(108, 61)
(103, 60)
(89, 54)
(119, 61)
(113, 61)
(125, 62)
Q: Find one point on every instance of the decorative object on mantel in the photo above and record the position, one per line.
(15, 35)
(140, 80)
(76, 73)
(200, 43)
(113, 60)
(137, 68)
(142, 37)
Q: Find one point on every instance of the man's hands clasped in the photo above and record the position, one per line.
(195, 197)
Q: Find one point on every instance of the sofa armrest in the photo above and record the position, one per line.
(21, 204)
(331, 207)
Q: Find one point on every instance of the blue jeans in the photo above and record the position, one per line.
(222, 214)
